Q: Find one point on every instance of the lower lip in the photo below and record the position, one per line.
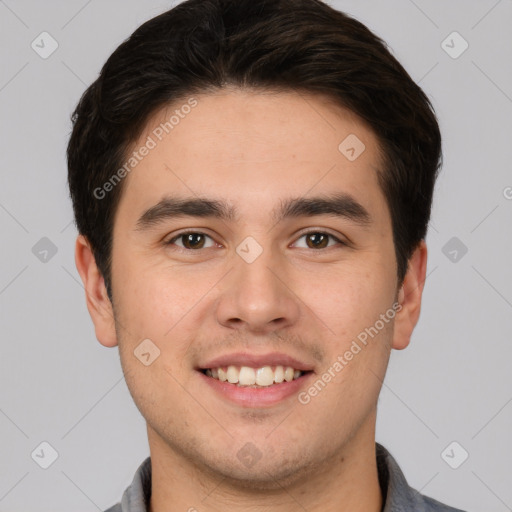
(257, 397)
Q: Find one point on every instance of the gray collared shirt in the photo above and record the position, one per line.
(396, 493)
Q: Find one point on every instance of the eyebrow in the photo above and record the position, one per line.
(341, 205)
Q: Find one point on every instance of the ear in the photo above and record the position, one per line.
(409, 297)
(98, 302)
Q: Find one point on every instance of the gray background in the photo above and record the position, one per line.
(453, 383)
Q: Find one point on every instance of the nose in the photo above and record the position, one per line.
(258, 296)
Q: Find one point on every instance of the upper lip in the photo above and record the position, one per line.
(256, 361)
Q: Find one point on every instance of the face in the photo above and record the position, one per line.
(259, 277)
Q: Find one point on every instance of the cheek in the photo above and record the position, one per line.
(153, 300)
(349, 297)
(151, 308)
(168, 307)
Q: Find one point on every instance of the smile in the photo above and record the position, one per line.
(246, 376)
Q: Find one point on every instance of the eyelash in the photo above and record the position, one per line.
(184, 249)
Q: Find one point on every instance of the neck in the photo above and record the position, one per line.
(348, 481)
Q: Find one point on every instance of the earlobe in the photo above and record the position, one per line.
(409, 297)
(97, 300)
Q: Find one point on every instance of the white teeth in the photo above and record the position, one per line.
(232, 374)
(264, 376)
(279, 374)
(247, 376)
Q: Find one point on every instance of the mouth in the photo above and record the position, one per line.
(255, 380)
(254, 377)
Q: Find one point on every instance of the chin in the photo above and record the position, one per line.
(266, 474)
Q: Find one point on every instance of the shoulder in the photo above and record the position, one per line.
(115, 508)
(432, 505)
(137, 495)
(399, 496)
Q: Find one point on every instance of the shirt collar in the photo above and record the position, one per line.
(397, 496)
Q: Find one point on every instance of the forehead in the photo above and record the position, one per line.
(252, 146)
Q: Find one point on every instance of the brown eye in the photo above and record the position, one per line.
(192, 240)
(319, 240)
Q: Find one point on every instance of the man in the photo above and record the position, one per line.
(252, 183)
